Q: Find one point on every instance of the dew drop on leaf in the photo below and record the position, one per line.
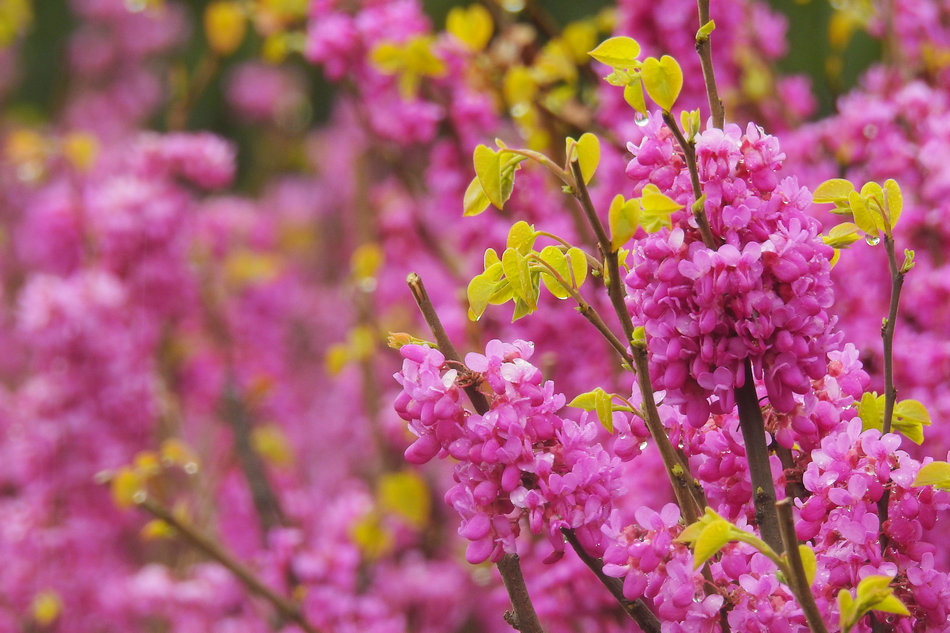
(872, 240)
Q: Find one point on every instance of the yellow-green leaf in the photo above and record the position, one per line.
(809, 563)
(521, 236)
(623, 220)
(518, 275)
(704, 31)
(895, 201)
(871, 411)
(586, 401)
(488, 171)
(934, 474)
(578, 262)
(480, 290)
(588, 155)
(475, 200)
(663, 80)
(832, 191)
(692, 531)
(863, 216)
(555, 258)
(604, 407)
(712, 539)
(655, 209)
(617, 52)
(405, 494)
(491, 258)
(911, 411)
(842, 235)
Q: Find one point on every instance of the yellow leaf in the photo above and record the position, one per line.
(488, 172)
(617, 52)
(81, 150)
(579, 37)
(270, 443)
(633, 95)
(555, 258)
(578, 261)
(934, 474)
(475, 200)
(623, 220)
(809, 563)
(406, 494)
(472, 25)
(656, 208)
(156, 529)
(712, 539)
(521, 236)
(832, 191)
(47, 607)
(842, 235)
(225, 24)
(663, 80)
(519, 86)
(366, 261)
(863, 217)
(128, 488)
(588, 155)
(895, 201)
(480, 290)
(371, 536)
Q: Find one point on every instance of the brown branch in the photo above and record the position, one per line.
(523, 617)
(887, 333)
(798, 580)
(286, 607)
(636, 609)
(704, 49)
(757, 454)
(689, 153)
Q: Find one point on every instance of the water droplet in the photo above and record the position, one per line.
(519, 110)
(191, 468)
(872, 240)
(869, 131)
(641, 119)
(139, 496)
(367, 284)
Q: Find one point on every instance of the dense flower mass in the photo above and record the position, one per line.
(762, 296)
(207, 214)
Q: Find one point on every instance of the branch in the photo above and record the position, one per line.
(636, 609)
(798, 580)
(887, 333)
(523, 616)
(704, 49)
(757, 454)
(286, 607)
(689, 153)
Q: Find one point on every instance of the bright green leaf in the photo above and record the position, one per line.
(834, 190)
(488, 171)
(934, 474)
(617, 52)
(663, 80)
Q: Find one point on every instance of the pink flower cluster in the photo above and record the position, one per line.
(763, 295)
(517, 460)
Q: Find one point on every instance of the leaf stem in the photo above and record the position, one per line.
(286, 607)
(797, 578)
(636, 609)
(757, 453)
(523, 617)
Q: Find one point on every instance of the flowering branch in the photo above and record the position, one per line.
(887, 333)
(689, 153)
(286, 607)
(522, 617)
(797, 578)
(636, 609)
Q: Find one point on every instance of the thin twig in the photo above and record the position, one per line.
(757, 454)
(636, 609)
(798, 580)
(286, 607)
(523, 616)
(887, 333)
(698, 209)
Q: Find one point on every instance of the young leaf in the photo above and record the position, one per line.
(842, 235)
(834, 190)
(578, 262)
(712, 539)
(655, 209)
(488, 171)
(623, 218)
(472, 25)
(588, 155)
(911, 412)
(663, 80)
(491, 258)
(604, 406)
(703, 33)
(521, 236)
(935, 474)
(480, 290)
(692, 531)
(895, 201)
(617, 52)
(586, 401)
(555, 258)
(475, 200)
(809, 562)
(874, 594)
(871, 411)
(520, 278)
(633, 95)
(863, 216)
